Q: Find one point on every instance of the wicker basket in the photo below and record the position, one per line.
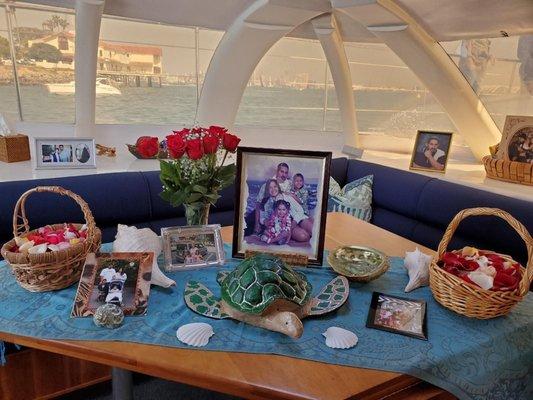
(509, 171)
(56, 269)
(468, 299)
(14, 148)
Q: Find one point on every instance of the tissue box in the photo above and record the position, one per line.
(14, 148)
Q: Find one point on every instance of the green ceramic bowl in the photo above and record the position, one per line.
(361, 264)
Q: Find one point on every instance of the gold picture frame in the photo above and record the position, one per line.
(515, 125)
(420, 161)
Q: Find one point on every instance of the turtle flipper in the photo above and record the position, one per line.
(202, 301)
(331, 297)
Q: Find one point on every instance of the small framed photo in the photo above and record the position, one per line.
(517, 139)
(431, 151)
(117, 278)
(59, 153)
(281, 202)
(189, 247)
(398, 315)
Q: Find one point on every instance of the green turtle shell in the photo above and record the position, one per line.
(261, 279)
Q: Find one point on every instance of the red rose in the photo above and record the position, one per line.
(147, 146)
(183, 132)
(210, 144)
(230, 142)
(217, 130)
(176, 145)
(195, 149)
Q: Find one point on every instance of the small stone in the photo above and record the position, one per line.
(108, 316)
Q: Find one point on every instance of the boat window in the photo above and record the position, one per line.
(44, 67)
(150, 72)
(287, 89)
(500, 70)
(8, 95)
(389, 98)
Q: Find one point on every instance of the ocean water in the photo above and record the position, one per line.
(377, 110)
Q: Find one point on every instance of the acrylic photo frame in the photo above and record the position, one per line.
(191, 247)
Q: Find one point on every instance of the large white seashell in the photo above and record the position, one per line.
(63, 245)
(129, 238)
(196, 334)
(25, 246)
(339, 338)
(39, 249)
(417, 265)
(481, 279)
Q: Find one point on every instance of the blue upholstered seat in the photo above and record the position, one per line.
(411, 205)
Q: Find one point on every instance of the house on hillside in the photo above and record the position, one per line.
(112, 57)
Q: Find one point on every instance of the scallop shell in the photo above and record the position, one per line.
(196, 334)
(39, 249)
(53, 247)
(129, 238)
(339, 338)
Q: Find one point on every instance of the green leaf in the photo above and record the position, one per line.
(178, 198)
(194, 197)
(199, 189)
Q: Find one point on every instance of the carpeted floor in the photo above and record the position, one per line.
(148, 388)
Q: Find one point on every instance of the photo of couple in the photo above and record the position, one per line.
(281, 203)
(57, 153)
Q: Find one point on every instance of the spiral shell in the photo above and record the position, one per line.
(339, 338)
(108, 316)
(130, 238)
(196, 334)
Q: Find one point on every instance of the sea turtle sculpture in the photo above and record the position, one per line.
(265, 292)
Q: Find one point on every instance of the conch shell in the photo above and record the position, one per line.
(129, 238)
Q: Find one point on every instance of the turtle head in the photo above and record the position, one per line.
(288, 323)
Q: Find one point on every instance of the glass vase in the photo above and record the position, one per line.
(197, 214)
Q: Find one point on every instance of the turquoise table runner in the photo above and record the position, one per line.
(472, 359)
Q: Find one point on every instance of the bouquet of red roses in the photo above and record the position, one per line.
(196, 172)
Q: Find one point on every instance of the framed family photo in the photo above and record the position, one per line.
(122, 279)
(281, 202)
(517, 139)
(431, 151)
(59, 153)
(189, 247)
(398, 315)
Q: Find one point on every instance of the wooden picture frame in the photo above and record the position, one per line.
(398, 315)
(179, 240)
(256, 228)
(129, 272)
(70, 153)
(435, 142)
(516, 127)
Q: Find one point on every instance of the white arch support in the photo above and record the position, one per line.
(432, 65)
(88, 18)
(327, 32)
(243, 45)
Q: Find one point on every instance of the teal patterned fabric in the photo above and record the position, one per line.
(472, 359)
(354, 199)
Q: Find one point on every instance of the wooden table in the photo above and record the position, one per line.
(260, 376)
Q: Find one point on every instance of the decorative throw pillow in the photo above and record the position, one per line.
(354, 199)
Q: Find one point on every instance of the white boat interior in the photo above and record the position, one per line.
(351, 77)
(358, 78)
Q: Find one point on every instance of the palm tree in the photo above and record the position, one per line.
(63, 23)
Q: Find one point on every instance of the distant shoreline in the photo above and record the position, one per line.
(32, 75)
